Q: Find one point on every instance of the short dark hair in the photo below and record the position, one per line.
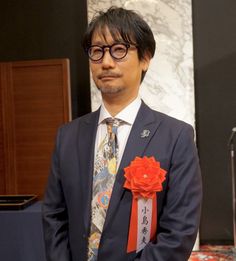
(126, 24)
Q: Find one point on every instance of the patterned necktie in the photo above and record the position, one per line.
(103, 180)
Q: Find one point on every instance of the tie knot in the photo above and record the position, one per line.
(113, 124)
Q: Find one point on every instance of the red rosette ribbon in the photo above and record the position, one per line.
(144, 177)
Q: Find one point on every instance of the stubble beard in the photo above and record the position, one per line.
(110, 90)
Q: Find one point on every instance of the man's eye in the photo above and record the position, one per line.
(119, 49)
(95, 51)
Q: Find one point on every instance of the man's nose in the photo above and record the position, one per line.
(107, 60)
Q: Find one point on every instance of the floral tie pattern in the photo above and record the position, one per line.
(105, 167)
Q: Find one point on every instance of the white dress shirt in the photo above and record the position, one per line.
(127, 115)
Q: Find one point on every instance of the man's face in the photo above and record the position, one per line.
(117, 77)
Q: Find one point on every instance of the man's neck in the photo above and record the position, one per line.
(115, 105)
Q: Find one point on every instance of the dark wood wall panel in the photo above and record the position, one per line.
(37, 102)
(2, 154)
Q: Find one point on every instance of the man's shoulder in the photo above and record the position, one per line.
(88, 118)
(167, 120)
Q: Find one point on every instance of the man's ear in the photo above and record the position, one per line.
(145, 65)
(146, 61)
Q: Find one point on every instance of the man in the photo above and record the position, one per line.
(89, 208)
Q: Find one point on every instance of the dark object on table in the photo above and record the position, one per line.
(16, 202)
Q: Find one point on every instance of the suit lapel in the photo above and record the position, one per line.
(86, 141)
(136, 145)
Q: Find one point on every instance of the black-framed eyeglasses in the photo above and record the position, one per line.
(117, 51)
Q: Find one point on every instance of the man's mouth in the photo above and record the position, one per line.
(108, 76)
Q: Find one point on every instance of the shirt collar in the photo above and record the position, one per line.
(128, 114)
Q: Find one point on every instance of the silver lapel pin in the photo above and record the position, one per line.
(145, 133)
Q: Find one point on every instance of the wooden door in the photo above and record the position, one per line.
(34, 102)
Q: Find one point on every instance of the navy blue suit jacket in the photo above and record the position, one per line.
(67, 202)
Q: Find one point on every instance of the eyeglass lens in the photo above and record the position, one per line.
(117, 51)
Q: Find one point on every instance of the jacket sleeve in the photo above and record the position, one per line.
(179, 220)
(54, 213)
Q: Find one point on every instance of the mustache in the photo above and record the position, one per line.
(109, 74)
